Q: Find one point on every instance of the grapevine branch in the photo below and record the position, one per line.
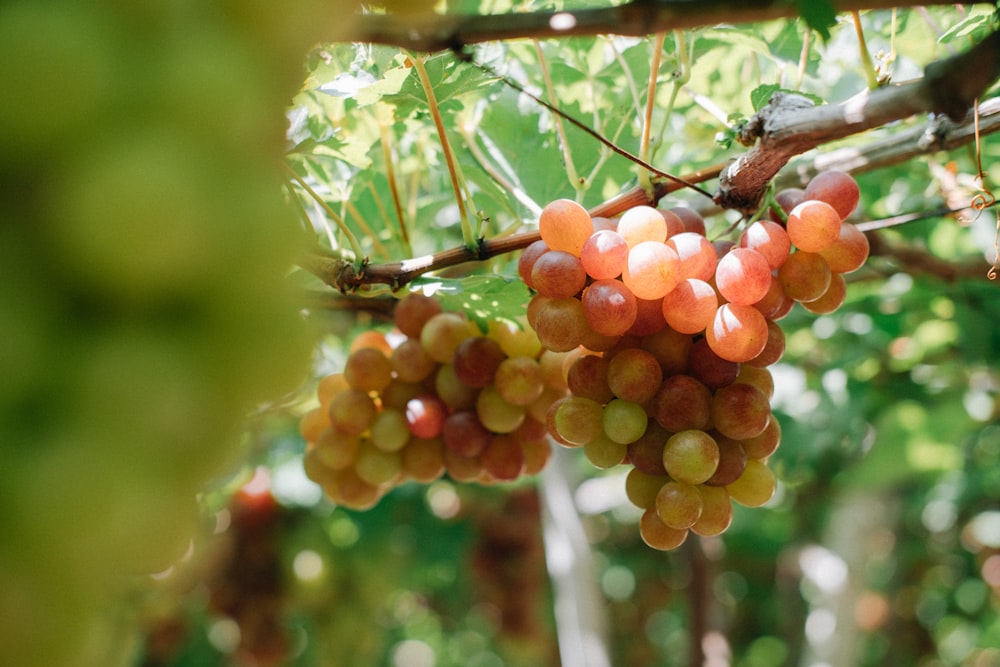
(790, 124)
(940, 134)
(638, 18)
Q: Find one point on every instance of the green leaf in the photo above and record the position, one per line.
(976, 24)
(761, 95)
(820, 15)
(482, 298)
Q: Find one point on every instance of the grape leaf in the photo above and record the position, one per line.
(820, 15)
(482, 297)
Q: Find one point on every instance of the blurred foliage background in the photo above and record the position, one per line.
(883, 542)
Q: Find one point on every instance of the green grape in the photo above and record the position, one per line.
(604, 452)
(352, 411)
(624, 421)
(519, 380)
(755, 486)
(641, 488)
(389, 431)
(378, 467)
(337, 450)
(496, 414)
(578, 420)
(691, 456)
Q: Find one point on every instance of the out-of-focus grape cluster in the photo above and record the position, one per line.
(435, 395)
(668, 337)
(143, 305)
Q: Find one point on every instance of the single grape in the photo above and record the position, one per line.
(601, 223)
(642, 223)
(837, 189)
(442, 334)
(691, 219)
(463, 433)
(413, 311)
(352, 411)
(678, 504)
(743, 276)
(330, 386)
(425, 415)
(389, 431)
(634, 375)
(519, 380)
(588, 378)
(682, 403)
(526, 262)
(378, 467)
(813, 225)
(755, 486)
(757, 376)
(849, 252)
(578, 420)
(372, 339)
(690, 307)
(560, 324)
(462, 468)
(476, 360)
(554, 367)
(338, 450)
(558, 274)
(732, 461)
(671, 348)
(674, 223)
(787, 199)
(709, 368)
(641, 488)
(410, 361)
(536, 455)
(315, 421)
(503, 458)
(769, 239)
(738, 333)
(691, 456)
(765, 443)
(646, 452)
(515, 341)
(456, 394)
(496, 414)
(697, 255)
(423, 459)
(603, 255)
(651, 270)
(624, 421)
(716, 512)
(609, 307)
(773, 350)
(775, 304)
(832, 299)
(805, 276)
(603, 452)
(349, 489)
(368, 369)
(565, 225)
(740, 411)
(648, 317)
(659, 535)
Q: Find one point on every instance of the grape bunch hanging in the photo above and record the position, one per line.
(672, 336)
(435, 395)
(647, 345)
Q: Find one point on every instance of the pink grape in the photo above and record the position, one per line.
(805, 276)
(738, 333)
(678, 504)
(832, 299)
(642, 223)
(658, 535)
(603, 255)
(609, 307)
(691, 306)
(425, 416)
(565, 225)
(674, 223)
(651, 270)
(769, 239)
(413, 311)
(648, 317)
(696, 254)
(740, 411)
(716, 511)
(849, 252)
(526, 262)
(836, 188)
(681, 403)
(743, 276)
(558, 274)
(813, 225)
(787, 199)
(476, 360)
(691, 219)
(634, 375)
(588, 377)
(708, 367)
(561, 324)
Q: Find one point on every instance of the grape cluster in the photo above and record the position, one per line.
(668, 337)
(434, 396)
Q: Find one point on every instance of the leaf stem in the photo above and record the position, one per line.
(571, 173)
(384, 118)
(468, 236)
(647, 119)
(866, 58)
(352, 240)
